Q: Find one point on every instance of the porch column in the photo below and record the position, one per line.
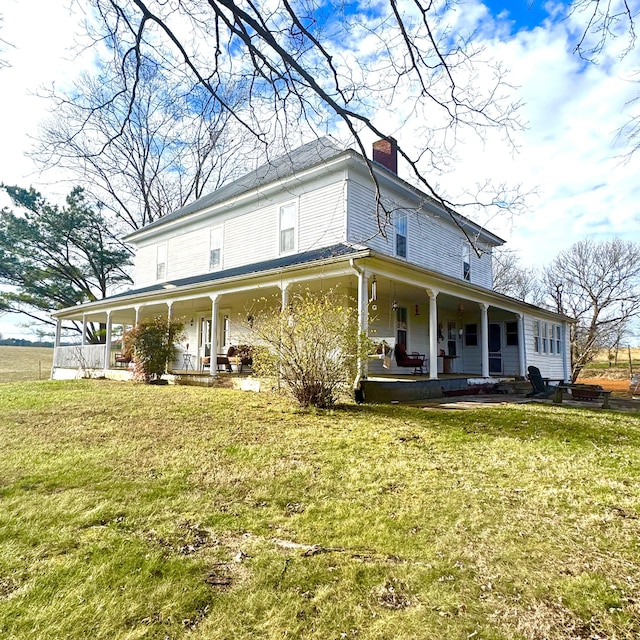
(107, 344)
(433, 333)
(137, 308)
(363, 318)
(213, 338)
(56, 340)
(522, 352)
(169, 310)
(284, 289)
(84, 329)
(484, 338)
(56, 344)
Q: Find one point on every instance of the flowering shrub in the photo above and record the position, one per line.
(312, 346)
(153, 344)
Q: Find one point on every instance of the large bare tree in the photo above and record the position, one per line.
(598, 284)
(142, 142)
(512, 279)
(316, 65)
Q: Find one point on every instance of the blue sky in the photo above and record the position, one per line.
(568, 158)
(520, 14)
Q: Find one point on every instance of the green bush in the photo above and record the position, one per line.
(153, 344)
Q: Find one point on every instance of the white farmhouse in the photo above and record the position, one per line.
(310, 220)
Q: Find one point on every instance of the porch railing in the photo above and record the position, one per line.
(88, 356)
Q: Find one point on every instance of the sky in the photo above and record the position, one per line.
(569, 158)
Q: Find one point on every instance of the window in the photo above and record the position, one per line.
(401, 326)
(471, 335)
(558, 339)
(401, 234)
(536, 336)
(466, 262)
(545, 341)
(511, 330)
(288, 228)
(161, 261)
(215, 249)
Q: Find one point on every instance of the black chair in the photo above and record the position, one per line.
(540, 388)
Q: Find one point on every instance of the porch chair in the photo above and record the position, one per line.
(222, 360)
(122, 359)
(540, 386)
(403, 359)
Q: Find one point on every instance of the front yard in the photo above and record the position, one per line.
(180, 512)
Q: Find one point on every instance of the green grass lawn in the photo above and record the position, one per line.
(178, 512)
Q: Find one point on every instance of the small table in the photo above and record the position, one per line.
(187, 361)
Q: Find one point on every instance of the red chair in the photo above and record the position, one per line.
(415, 360)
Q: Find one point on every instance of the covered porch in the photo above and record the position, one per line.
(458, 329)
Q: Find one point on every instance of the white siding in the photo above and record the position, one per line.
(432, 242)
(551, 365)
(250, 233)
(145, 265)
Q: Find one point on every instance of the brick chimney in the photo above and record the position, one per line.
(385, 152)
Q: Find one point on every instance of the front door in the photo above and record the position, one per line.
(495, 347)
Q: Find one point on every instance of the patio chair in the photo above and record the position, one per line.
(403, 359)
(540, 388)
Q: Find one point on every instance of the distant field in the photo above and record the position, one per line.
(19, 364)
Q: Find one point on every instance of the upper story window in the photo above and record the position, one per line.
(161, 261)
(215, 249)
(401, 234)
(288, 219)
(466, 262)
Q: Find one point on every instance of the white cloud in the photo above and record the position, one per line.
(568, 152)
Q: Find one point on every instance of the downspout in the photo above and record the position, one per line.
(362, 326)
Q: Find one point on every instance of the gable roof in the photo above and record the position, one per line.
(308, 156)
(304, 157)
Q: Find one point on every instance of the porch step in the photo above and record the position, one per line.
(202, 380)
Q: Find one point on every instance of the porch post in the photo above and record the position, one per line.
(363, 318)
(433, 333)
(137, 308)
(56, 344)
(84, 329)
(284, 288)
(107, 344)
(213, 338)
(484, 337)
(522, 352)
(56, 340)
(169, 310)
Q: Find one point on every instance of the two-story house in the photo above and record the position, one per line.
(310, 220)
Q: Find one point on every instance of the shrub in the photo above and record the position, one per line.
(153, 344)
(312, 346)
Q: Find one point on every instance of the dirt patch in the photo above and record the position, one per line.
(617, 386)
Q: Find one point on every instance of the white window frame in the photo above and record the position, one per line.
(401, 225)
(545, 338)
(558, 340)
(536, 336)
(215, 244)
(466, 262)
(161, 261)
(287, 206)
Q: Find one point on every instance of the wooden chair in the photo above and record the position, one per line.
(540, 386)
(403, 359)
